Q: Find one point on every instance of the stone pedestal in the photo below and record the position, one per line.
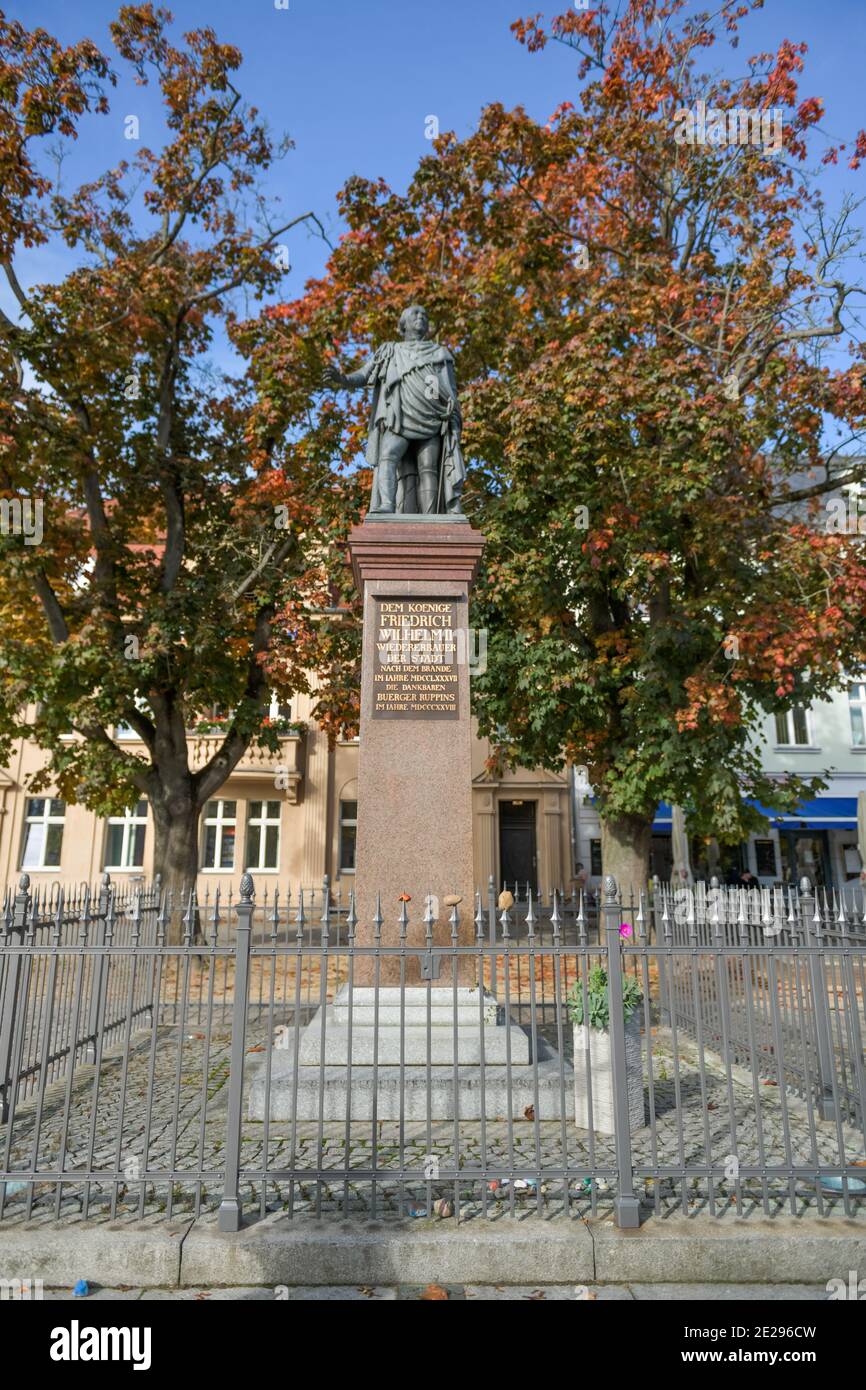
(387, 1047)
(376, 1067)
(415, 771)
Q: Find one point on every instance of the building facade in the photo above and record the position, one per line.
(291, 818)
(826, 740)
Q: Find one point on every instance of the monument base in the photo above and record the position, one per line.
(414, 1077)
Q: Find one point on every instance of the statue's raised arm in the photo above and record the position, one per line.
(333, 378)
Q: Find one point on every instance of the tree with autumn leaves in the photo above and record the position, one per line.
(655, 340)
(187, 556)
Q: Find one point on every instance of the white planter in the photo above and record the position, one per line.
(596, 1041)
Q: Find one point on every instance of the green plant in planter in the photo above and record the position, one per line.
(598, 999)
(284, 727)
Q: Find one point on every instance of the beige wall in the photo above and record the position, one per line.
(309, 816)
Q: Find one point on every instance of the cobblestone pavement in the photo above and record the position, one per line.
(181, 1138)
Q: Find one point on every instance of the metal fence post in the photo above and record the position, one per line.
(230, 1207)
(9, 1001)
(810, 918)
(626, 1205)
(661, 935)
(97, 974)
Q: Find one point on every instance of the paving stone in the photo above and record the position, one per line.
(95, 1296)
(201, 1295)
(518, 1293)
(187, 1133)
(722, 1293)
(558, 1293)
(413, 1293)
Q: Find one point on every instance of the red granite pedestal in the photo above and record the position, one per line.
(415, 775)
(439, 1048)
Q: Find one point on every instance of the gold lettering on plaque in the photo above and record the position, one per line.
(415, 662)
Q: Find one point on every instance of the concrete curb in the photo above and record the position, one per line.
(304, 1252)
(279, 1251)
(731, 1250)
(142, 1254)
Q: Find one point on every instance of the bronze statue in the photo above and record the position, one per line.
(414, 442)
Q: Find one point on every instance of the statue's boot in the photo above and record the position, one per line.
(407, 488)
(427, 490)
(387, 478)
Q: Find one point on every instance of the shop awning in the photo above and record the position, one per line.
(822, 813)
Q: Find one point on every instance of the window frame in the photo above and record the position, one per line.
(857, 703)
(350, 822)
(130, 822)
(47, 819)
(220, 820)
(262, 822)
(277, 709)
(790, 728)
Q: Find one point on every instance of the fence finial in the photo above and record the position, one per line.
(24, 882)
(805, 886)
(610, 889)
(247, 888)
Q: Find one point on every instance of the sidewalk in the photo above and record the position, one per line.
(460, 1293)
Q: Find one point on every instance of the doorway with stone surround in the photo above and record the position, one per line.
(518, 847)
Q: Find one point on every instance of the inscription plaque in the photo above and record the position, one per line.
(415, 665)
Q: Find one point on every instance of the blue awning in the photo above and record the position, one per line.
(821, 813)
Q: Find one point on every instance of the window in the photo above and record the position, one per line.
(124, 840)
(219, 835)
(792, 727)
(43, 833)
(851, 861)
(348, 835)
(765, 858)
(857, 706)
(278, 711)
(595, 858)
(263, 835)
(213, 719)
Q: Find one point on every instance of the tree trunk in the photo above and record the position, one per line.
(176, 856)
(625, 844)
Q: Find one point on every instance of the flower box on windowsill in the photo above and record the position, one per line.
(283, 728)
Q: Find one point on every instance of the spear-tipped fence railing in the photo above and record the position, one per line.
(268, 1054)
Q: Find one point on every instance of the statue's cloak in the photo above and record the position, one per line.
(415, 396)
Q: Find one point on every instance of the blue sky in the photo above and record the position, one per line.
(353, 81)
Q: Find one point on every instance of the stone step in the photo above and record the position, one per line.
(416, 1015)
(419, 1046)
(442, 1006)
(408, 1095)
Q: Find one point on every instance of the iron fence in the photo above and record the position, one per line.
(249, 1057)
